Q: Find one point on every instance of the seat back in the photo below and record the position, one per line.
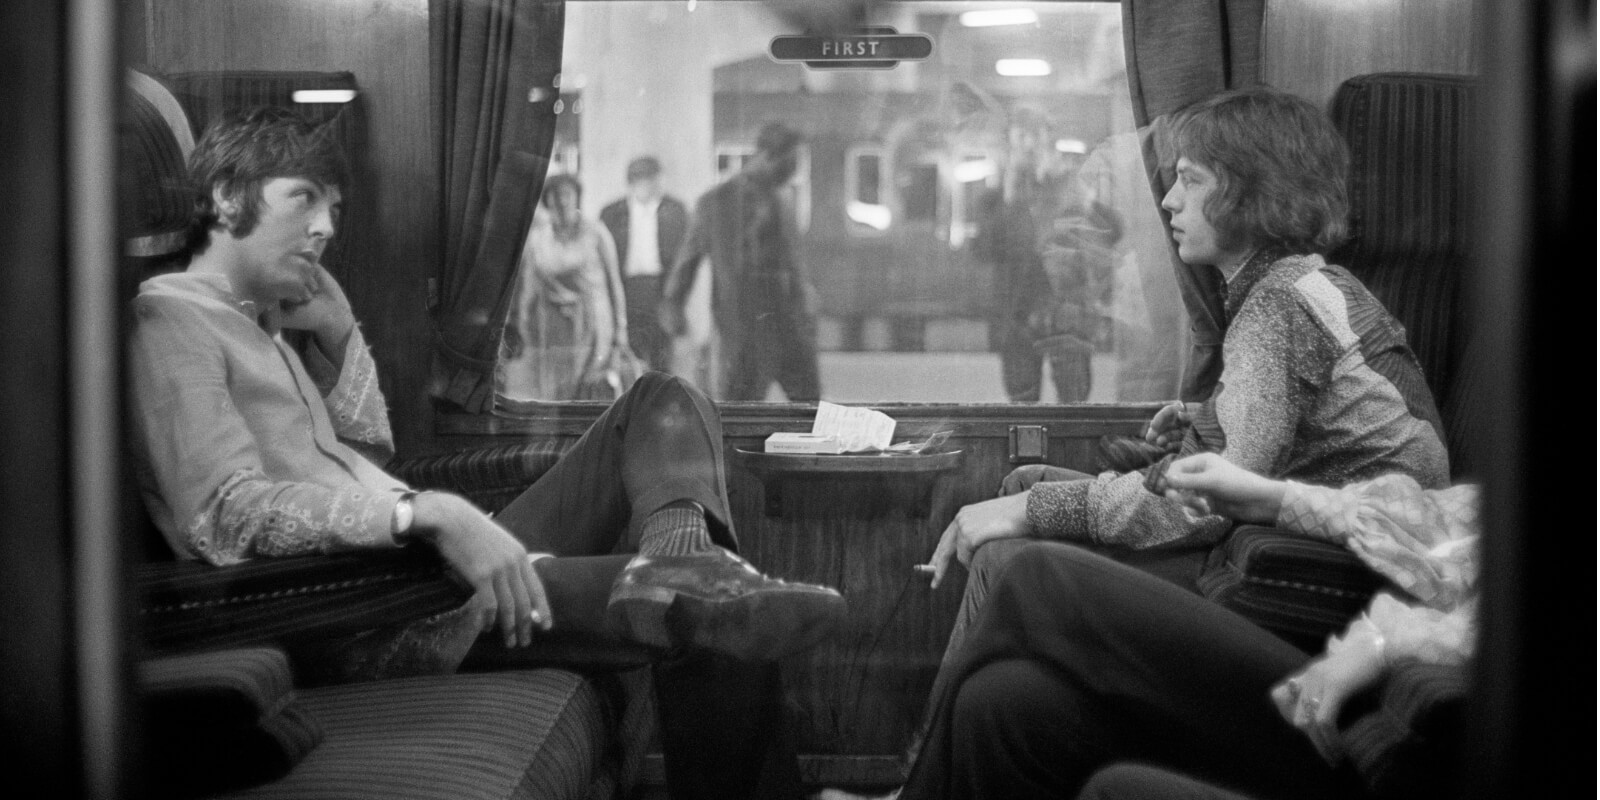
(1409, 240)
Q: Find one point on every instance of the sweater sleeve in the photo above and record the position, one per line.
(207, 467)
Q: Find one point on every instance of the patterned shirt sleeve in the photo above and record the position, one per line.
(355, 403)
(208, 468)
(1414, 632)
(1425, 541)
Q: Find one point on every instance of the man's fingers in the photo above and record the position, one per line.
(506, 609)
(940, 560)
(522, 608)
(541, 614)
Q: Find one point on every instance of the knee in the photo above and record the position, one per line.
(1125, 781)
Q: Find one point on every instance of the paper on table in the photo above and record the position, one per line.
(858, 429)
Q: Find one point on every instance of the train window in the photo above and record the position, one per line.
(970, 222)
(970, 226)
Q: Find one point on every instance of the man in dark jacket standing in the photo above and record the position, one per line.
(648, 227)
(765, 308)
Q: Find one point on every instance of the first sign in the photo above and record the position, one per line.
(872, 48)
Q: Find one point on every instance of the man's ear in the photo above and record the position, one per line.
(227, 206)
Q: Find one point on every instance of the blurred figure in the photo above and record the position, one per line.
(567, 322)
(764, 306)
(1045, 302)
(648, 227)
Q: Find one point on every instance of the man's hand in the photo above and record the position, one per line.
(1210, 484)
(325, 311)
(1311, 700)
(1168, 427)
(1000, 518)
(508, 591)
(1024, 477)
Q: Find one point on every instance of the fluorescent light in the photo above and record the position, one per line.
(323, 95)
(1071, 146)
(1001, 16)
(873, 216)
(971, 171)
(1022, 67)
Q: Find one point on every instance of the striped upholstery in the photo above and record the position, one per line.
(489, 476)
(1302, 589)
(1409, 247)
(220, 720)
(1409, 238)
(1409, 745)
(190, 605)
(489, 736)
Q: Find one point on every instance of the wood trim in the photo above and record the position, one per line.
(759, 419)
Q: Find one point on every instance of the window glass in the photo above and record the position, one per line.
(975, 226)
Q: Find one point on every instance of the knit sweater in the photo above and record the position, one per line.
(1317, 385)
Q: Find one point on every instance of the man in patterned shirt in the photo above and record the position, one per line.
(259, 432)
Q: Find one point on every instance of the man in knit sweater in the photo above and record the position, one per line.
(1318, 384)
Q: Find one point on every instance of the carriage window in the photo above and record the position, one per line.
(973, 226)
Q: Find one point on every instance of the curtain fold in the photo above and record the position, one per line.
(1180, 51)
(496, 71)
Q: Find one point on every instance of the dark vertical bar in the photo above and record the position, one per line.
(1534, 205)
(38, 708)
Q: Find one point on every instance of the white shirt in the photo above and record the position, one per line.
(644, 246)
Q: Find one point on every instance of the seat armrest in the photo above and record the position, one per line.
(1300, 588)
(186, 605)
(489, 476)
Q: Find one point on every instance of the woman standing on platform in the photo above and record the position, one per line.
(567, 321)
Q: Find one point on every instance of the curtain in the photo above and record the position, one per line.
(1180, 51)
(496, 73)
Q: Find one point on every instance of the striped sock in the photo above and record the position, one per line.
(675, 531)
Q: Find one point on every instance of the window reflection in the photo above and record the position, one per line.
(964, 231)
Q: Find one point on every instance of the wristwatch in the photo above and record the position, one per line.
(404, 515)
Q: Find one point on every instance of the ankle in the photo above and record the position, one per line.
(676, 529)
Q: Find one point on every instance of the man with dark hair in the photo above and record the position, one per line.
(251, 442)
(764, 306)
(1318, 384)
(648, 226)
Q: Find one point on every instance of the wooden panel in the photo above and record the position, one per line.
(1309, 47)
(385, 44)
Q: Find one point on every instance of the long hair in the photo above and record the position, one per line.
(1280, 166)
(240, 152)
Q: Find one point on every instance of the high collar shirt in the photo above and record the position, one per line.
(246, 446)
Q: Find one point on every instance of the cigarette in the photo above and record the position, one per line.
(923, 568)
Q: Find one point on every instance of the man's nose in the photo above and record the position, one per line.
(322, 223)
(1170, 200)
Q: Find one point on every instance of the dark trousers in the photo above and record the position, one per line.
(777, 345)
(1022, 369)
(1078, 662)
(649, 342)
(1129, 781)
(723, 729)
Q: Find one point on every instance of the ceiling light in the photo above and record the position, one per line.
(323, 95)
(1022, 67)
(1000, 16)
